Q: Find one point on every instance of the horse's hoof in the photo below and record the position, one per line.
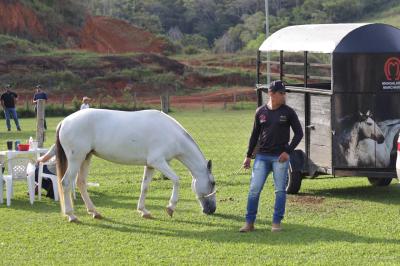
(147, 216)
(169, 211)
(97, 215)
(73, 219)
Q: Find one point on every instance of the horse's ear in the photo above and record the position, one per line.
(209, 165)
(363, 117)
(368, 114)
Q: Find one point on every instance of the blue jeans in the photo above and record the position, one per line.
(263, 165)
(13, 112)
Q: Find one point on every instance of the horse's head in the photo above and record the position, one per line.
(204, 187)
(369, 129)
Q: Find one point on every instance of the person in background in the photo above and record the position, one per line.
(39, 95)
(271, 131)
(8, 102)
(49, 168)
(85, 102)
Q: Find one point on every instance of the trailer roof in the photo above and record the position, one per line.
(335, 38)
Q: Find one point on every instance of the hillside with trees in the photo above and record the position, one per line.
(233, 25)
(190, 26)
(114, 48)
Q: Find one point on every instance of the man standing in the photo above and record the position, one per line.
(272, 132)
(39, 95)
(8, 101)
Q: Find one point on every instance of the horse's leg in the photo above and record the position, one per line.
(66, 182)
(82, 185)
(164, 168)
(147, 176)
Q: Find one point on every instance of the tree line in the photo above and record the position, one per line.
(231, 25)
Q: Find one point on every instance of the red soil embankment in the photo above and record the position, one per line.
(16, 18)
(108, 35)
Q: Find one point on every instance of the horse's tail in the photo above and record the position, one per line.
(62, 165)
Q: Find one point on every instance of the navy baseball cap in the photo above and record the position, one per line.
(277, 85)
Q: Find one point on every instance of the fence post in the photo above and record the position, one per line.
(100, 100)
(40, 122)
(62, 102)
(165, 102)
(26, 103)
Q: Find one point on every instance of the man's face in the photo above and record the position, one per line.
(278, 97)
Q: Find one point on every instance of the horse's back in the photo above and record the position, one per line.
(119, 136)
(100, 119)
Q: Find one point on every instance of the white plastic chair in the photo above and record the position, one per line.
(53, 178)
(18, 170)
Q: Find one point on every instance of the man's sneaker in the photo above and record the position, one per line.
(18, 128)
(8, 129)
(276, 228)
(248, 227)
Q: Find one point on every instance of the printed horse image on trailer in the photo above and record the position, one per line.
(390, 129)
(150, 138)
(362, 143)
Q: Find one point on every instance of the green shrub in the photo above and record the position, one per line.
(12, 45)
(76, 103)
(191, 50)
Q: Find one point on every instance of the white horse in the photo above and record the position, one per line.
(371, 153)
(391, 129)
(150, 138)
(364, 144)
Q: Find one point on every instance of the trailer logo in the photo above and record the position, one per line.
(392, 69)
(392, 73)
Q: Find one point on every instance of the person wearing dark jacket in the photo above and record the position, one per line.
(271, 131)
(49, 168)
(39, 95)
(8, 100)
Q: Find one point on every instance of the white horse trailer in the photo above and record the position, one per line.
(344, 83)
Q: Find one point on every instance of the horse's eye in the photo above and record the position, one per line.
(369, 123)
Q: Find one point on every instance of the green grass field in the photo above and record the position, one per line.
(333, 221)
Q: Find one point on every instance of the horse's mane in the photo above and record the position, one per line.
(192, 140)
(347, 123)
(186, 134)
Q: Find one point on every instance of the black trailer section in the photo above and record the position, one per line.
(344, 83)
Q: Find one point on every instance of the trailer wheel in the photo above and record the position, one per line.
(379, 182)
(294, 181)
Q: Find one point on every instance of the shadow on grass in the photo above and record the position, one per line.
(293, 234)
(389, 194)
(127, 202)
(38, 206)
(100, 200)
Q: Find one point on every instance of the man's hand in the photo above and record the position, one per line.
(246, 163)
(283, 157)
